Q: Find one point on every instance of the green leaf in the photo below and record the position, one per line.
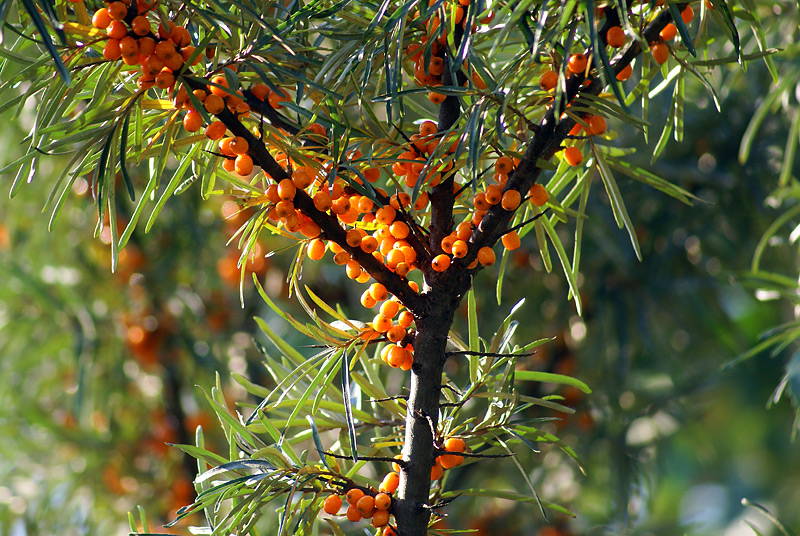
(617, 203)
(549, 377)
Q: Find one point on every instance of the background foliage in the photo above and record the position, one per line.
(100, 370)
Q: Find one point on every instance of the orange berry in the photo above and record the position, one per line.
(322, 201)
(385, 215)
(573, 156)
(147, 46)
(353, 514)
(538, 195)
(116, 29)
(353, 495)
(383, 501)
(284, 208)
(389, 308)
(511, 200)
(669, 32)
(243, 164)
(493, 194)
(367, 300)
(192, 121)
(396, 333)
(378, 291)
(389, 483)
(239, 145)
(215, 130)
(380, 518)
(478, 81)
(140, 25)
(369, 244)
(597, 125)
(548, 80)
(229, 164)
(504, 164)
(395, 356)
(460, 249)
(437, 471)
(405, 319)
(111, 51)
(428, 128)
(316, 249)
(303, 177)
(625, 73)
(687, 14)
(436, 98)
(480, 202)
(165, 79)
(452, 444)
(615, 37)
(101, 18)
(219, 85)
(660, 53)
(440, 263)
(389, 531)
(332, 504)
(447, 244)
(577, 63)
(117, 10)
(276, 97)
(486, 256)
(260, 91)
(214, 104)
(399, 229)
(366, 506)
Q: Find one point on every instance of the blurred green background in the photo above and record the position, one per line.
(99, 370)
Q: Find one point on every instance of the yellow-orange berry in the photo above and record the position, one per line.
(101, 18)
(117, 10)
(354, 495)
(577, 63)
(486, 256)
(669, 32)
(192, 121)
(548, 80)
(316, 249)
(573, 156)
(437, 471)
(405, 319)
(511, 200)
(332, 504)
(214, 104)
(389, 483)
(378, 291)
(459, 249)
(660, 53)
(140, 25)
(615, 37)
(597, 125)
(383, 501)
(625, 73)
(380, 518)
(215, 130)
(243, 164)
(353, 514)
(511, 240)
(440, 263)
(366, 506)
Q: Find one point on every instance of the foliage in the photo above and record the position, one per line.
(364, 76)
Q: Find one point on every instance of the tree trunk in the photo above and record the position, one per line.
(412, 510)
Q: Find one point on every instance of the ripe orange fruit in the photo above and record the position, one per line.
(511, 200)
(396, 333)
(276, 97)
(101, 18)
(660, 53)
(243, 164)
(486, 256)
(389, 531)
(615, 37)
(332, 504)
(436, 98)
(504, 164)
(116, 29)
(353, 514)
(577, 63)
(625, 73)
(573, 156)
(405, 319)
(380, 518)
(383, 501)
(687, 14)
(548, 80)
(165, 79)
(399, 229)
(117, 10)
(437, 471)
(111, 51)
(597, 125)
(260, 91)
(366, 506)
(140, 25)
(214, 104)
(215, 130)
(192, 121)
(460, 249)
(354, 495)
(390, 483)
(440, 263)
(316, 249)
(669, 32)
(538, 195)
(511, 240)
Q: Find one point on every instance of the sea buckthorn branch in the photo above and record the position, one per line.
(328, 223)
(545, 143)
